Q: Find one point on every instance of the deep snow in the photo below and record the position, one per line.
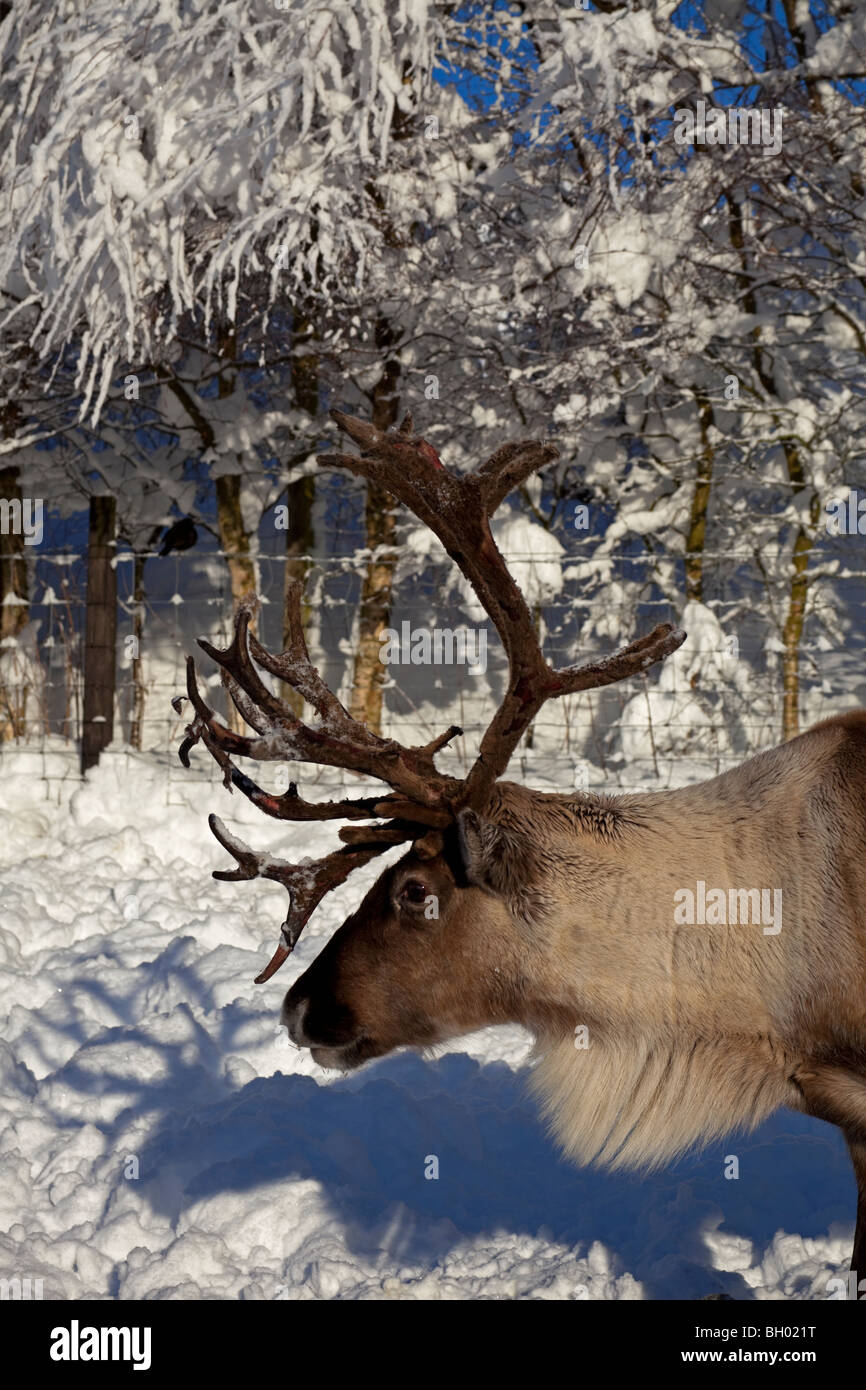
(133, 1040)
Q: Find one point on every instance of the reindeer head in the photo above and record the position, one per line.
(437, 946)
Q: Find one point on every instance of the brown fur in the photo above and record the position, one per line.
(558, 911)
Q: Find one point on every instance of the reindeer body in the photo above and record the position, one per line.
(561, 912)
(695, 1030)
(558, 912)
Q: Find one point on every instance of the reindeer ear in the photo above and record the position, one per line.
(480, 847)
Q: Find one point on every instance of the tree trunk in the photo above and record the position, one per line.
(301, 496)
(14, 610)
(368, 676)
(136, 722)
(235, 543)
(374, 611)
(697, 533)
(13, 565)
(100, 631)
(234, 538)
(374, 615)
(798, 593)
(538, 625)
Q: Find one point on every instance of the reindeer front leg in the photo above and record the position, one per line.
(857, 1150)
(837, 1094)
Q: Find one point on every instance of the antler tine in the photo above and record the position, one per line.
(297, 670)
(508, 724)
(236, 661)
(244, 705)
(205, 721)
(306, 883)
(442, 740)
(392, 833)
(289, 805)
(509, 466)
(630, 661)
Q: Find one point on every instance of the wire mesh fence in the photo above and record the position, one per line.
(714, 703)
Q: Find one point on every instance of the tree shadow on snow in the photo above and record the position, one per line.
(367, 1139)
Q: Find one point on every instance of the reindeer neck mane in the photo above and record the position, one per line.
(521, 809)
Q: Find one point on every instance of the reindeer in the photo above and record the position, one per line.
(560, 911)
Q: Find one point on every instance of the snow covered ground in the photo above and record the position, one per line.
(159, 1138)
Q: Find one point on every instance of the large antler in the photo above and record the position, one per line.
(458, 511)
(422, 800)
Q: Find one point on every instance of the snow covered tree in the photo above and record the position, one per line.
(576, 224)
(249, 166)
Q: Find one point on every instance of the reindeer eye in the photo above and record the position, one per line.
(414, 892)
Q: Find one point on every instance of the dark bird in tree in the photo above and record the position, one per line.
(180, 536)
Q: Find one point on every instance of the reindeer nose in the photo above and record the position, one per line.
(317, 1020)
(292, 1017)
